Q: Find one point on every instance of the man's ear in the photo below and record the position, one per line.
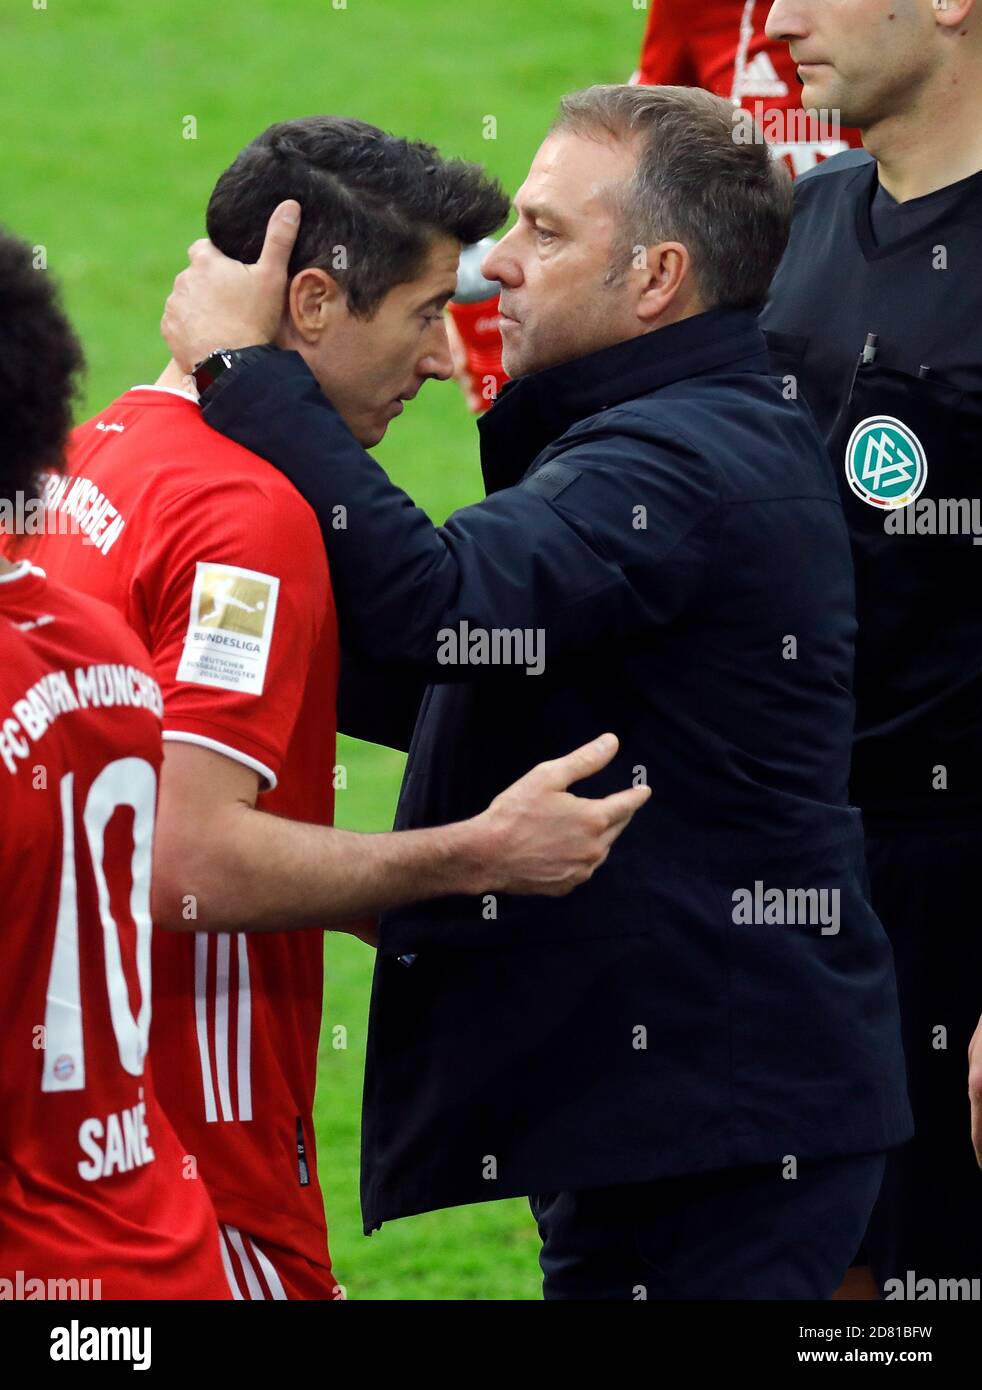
(951, 14)
(313, 299)
(667, 269)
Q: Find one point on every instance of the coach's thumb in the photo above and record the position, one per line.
(281, 234)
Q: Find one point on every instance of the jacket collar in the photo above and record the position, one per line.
(534, 411)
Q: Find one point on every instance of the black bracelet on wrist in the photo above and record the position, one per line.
(221, 365)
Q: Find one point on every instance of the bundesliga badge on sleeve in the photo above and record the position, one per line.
(230, 628)
(886, 464)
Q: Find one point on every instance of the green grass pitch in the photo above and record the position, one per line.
(95, 167)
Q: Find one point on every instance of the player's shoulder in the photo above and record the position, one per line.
(92, 628)
(160, 436)
(53, 625)
(17, 657)
(164, 428)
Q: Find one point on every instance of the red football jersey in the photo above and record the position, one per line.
(94, 1184)
(218, 565)
(721, 45)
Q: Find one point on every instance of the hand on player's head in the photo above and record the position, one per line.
(221, 303)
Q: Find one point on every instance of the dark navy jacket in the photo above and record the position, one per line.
(672, 525)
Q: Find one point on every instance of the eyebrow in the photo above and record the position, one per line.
(438, 299)
(539, 213)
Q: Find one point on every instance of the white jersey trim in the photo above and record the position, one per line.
(201, 1022)
(252, 1282)
(169, 391)
(221, 1022)
(227, 1265)
(20, 571)
(243, 1035)
(177, 736)
(216, 1046)
(273, 1280)
(232, 1237)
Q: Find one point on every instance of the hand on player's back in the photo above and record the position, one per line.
(550, 841)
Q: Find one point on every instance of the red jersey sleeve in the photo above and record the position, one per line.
(665, 56)
(233, 589)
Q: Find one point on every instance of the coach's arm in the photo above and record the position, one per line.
(568, 566)
(514, 561)
(222, 864)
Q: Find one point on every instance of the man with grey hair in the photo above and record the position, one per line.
(696, 1092)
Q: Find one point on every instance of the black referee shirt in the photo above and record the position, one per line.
(905, 434)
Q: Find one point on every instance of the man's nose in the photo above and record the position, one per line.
(785, 21)
(438, 361)
(501, 264)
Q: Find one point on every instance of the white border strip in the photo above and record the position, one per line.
(169, 391)
(20, 571)
(221, 1022)
(201, 1022)
(252, 1282)
(176, 736)
(243, 1033)
(272, 1278)
(227, 1263)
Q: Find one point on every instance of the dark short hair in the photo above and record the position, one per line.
(380, 198)
(726, 199)
(40, 365)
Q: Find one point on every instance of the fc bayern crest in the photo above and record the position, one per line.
(885, 462)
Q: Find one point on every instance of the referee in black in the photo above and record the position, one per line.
(876, 317)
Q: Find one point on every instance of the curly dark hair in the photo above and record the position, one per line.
(40, 365)
(378, 197)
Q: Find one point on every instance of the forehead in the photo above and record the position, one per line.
(437, 274)
(571, 174)
(443, 255)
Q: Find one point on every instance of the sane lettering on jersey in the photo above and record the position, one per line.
(118, 1145)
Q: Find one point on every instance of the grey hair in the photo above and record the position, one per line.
(696, 181)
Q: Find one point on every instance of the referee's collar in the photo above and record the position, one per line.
(534, 411)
